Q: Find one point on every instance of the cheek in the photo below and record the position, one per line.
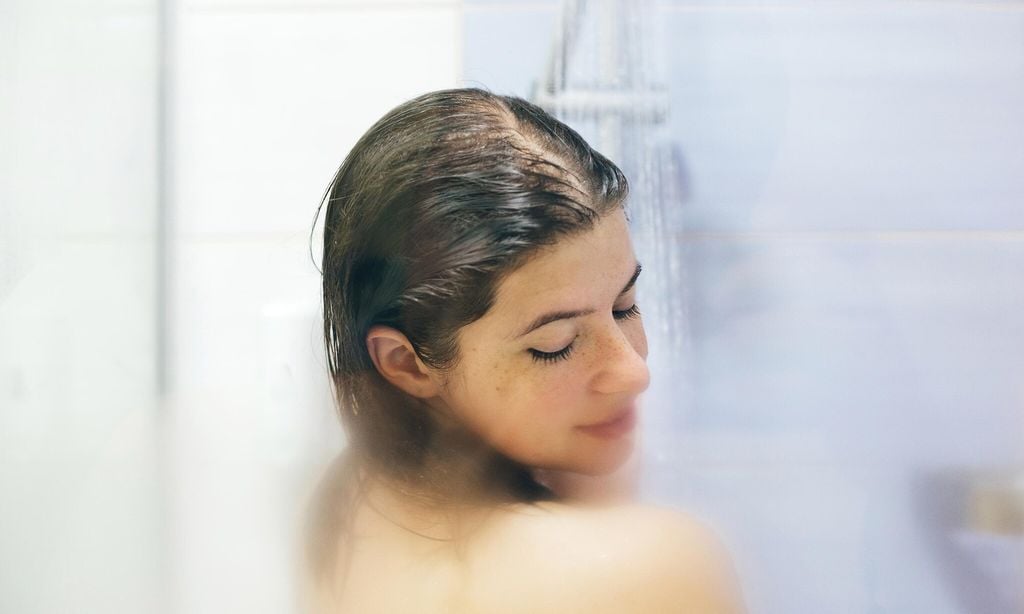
(550, 398)
(639, 340)
(636, 335)
(529, 406)
(492, 399)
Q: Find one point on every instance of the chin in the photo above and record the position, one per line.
(603, 462)
(603, 468)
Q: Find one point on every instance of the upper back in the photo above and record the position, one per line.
(546, 558)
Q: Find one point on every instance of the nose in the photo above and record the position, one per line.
(622, 362)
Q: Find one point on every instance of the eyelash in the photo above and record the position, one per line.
(551, 357)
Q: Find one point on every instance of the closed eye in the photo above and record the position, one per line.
(549, 357)
(562, 354)
(632, 312)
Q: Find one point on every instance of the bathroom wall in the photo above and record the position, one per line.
(853, 233)
(269, 97)
(80, 516)
(853, 236)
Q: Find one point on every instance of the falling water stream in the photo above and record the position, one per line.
(605, 78)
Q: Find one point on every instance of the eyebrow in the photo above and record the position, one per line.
(552, 316)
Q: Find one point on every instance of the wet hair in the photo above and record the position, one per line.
(440, 200)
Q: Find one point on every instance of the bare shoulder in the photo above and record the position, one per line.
(623, 558)
(681, 564)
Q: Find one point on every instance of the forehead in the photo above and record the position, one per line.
(571, 271)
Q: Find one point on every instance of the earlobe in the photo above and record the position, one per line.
(396, 360)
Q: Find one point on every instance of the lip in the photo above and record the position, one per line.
(619, 425)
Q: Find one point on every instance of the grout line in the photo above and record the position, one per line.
(166, 13)
(181, 238)
(866, 235)
(298, 8)
(287, 237)
(511, 7)
(142, 238)
(526, 6)
(165, 178)
(783, 5)
(214, 238)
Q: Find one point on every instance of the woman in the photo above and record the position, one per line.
(484, 344)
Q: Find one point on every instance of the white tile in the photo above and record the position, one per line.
(77, 409)
(77, 345)
(247, 360)
(79, 122)
(251, 421)
(221, 292)
(79, 472)
(268, 104)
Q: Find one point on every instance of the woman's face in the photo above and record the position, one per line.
(530, 407)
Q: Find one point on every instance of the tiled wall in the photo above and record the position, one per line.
(269, 98)
(79, 453)
(853, 231)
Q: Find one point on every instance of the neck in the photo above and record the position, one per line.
(458, 483)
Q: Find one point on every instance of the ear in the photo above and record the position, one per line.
(395, 359)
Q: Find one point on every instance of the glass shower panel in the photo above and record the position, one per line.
(842, 397)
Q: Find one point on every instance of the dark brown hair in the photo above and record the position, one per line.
(441, 199)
